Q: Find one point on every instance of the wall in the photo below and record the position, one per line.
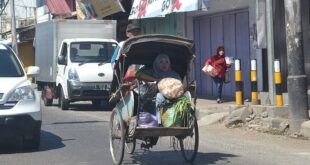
(215, 6)
(166, 25)
(26, 53)
(230, 29)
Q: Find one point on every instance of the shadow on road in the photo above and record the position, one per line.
(49, 141)
(88, 107)
(175, 157)
(78, 122)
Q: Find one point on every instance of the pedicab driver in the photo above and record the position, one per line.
(131, 31)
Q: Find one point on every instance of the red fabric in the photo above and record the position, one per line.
(59, 6)
(219, 63)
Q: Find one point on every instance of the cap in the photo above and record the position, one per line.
(131, 27)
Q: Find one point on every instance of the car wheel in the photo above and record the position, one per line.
(96, 103)
(63, 103)
(33, 142)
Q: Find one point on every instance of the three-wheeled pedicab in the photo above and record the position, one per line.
(132, 96)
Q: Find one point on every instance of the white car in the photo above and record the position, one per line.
(20, 112)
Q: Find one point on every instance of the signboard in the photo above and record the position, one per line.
(97, 9)
(159, 8)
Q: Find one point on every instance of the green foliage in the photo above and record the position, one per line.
(176, 113)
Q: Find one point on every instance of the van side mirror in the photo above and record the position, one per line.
(33, 71)
(62, 60)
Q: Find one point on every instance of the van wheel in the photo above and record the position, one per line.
(62, 102)
(32, 143)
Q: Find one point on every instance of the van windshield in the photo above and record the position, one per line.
(92, 51)
(9, 65)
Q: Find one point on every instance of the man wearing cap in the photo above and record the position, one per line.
(131, 31)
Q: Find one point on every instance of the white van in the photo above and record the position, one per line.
(20, 112)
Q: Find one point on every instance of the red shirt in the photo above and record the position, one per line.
(219, 63)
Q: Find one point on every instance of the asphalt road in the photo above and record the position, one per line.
(79, 136)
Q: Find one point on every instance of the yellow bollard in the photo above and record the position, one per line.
(278, 82)
(254, 95)
(239, 83)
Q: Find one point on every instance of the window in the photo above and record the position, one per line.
(9, 65)
(92, 51)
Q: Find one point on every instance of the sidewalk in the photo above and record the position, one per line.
(271, 117)
(210, 112)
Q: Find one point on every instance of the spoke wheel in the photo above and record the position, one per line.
(130, 146)
(189, 144)
(117, 137)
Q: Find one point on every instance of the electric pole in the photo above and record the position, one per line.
(13, 27)
(270, 49)
(297, 79)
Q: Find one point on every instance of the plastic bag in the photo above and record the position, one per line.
(176, 114)
(147, 120)
(227, 77)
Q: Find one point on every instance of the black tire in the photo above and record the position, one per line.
(96, 103)
(117, 131)
(62, 102)
(32, 143)
(189, 144)
(130, 146)
(46, 101)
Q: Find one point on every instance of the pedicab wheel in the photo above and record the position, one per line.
(130, 146)
(117, 137)
(189, 144)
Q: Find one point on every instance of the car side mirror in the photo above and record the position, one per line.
(62, 60)
(33, 71)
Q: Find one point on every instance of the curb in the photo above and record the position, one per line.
(305, 129)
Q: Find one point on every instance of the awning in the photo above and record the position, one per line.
(159, 8)
(59, 6)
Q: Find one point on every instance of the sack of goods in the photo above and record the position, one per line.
(147, 120)
(176, 113)
(171, 88)
(210, 70)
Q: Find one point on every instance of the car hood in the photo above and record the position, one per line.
(8, 84)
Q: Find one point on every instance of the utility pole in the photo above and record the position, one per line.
(270, 50)
(13, 27)
(297, 79)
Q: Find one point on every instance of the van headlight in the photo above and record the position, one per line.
(73, 75)
(22, 93)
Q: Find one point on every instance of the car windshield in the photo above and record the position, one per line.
(9, 65)
(92, 51)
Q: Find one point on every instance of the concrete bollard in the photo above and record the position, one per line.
(239, 83)
(278, 82)
(254, 94)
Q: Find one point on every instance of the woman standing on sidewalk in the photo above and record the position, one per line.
(219, 64)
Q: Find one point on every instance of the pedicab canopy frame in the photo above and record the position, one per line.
(143, 49)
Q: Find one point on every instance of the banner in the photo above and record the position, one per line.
(97, 9)
(159, 8)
